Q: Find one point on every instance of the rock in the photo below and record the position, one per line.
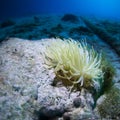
(7, 23)
(104, 35)
(52, 111)
(80, 114)
(111, 26)
(70, 18)
(57, 29)
(26, 86)
(77, 102)
(22, 73)
(66, 116)
(108, 105)
(81, 31)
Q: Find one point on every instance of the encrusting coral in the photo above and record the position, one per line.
(74, 63)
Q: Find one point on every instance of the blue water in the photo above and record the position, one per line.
(18, 8)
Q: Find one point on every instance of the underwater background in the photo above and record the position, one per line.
(17, 8)
(77, 19)
(84, 82)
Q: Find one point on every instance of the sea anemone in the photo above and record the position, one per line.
(73, 62)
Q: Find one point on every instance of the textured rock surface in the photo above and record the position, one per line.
(26, 91)
(21, 74)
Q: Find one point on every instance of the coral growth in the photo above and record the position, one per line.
(74, 63)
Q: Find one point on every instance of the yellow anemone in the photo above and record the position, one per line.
(73, 62)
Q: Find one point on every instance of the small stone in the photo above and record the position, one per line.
(52, 111)
(77, 102)
(66, 116)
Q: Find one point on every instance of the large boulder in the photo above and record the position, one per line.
(26, 86)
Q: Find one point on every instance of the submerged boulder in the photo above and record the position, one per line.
(26, 86)
(7, 23)
(70, 18)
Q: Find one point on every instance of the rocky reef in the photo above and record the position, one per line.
(28, 89)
